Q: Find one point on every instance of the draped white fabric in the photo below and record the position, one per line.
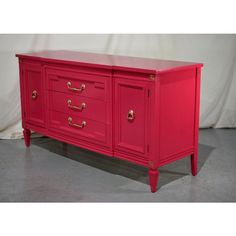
(217, 52)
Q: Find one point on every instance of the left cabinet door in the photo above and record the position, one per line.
(33, 94)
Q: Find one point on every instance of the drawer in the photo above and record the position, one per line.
(77, 105)
(81, 128)
(92, 86)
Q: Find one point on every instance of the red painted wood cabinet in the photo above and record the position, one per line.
(145, 111)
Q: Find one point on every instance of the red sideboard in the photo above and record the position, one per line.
(142, 110)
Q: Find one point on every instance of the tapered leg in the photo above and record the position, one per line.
(27, 134)
(194, 159)
(153, 179)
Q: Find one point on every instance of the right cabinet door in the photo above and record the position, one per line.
(131, 117)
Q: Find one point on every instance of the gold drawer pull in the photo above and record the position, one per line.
(34, 95)
(130, 115)
(83, 124)
(82, 87)
(80, 108)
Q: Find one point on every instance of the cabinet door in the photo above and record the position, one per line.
(34, 94)
(131, 117)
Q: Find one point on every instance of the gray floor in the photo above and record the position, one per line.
(50, 171)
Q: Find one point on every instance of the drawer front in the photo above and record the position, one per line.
(76, 83)
(77, 105)
(131, 116)
(81, 128)
(33, 94)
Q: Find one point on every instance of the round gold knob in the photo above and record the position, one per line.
(34, 95)
(130, 115)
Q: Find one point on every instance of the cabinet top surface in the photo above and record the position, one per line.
(109, 61)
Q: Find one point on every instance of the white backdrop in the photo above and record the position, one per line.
(217, 52)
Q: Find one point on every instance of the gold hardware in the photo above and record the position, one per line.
(80, 89)
(34, 95)
(82, 106)
(130, 115)
(152, 77)
(151, 164)
(83, 124)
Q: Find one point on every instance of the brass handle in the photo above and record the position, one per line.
(80, 108)
(80, 89)
(130, 115)
(83, 124)
(34, 95)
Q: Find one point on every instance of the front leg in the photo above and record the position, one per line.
(153, 179)
(194, 160)
(27, 134)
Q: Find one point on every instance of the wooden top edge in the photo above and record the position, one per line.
(117, 62)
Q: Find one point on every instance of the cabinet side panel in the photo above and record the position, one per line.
(22, 92)
(177, 112)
